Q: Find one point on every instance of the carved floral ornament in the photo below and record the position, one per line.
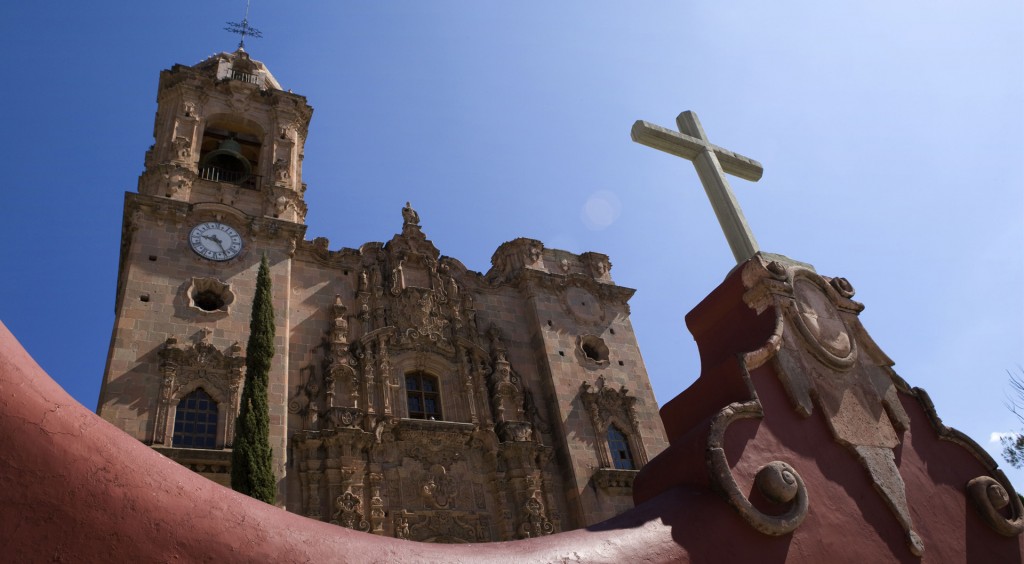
(826, 361)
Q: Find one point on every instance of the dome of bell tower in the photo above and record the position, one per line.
(238, 65)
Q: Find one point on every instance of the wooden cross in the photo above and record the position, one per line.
(711, 162)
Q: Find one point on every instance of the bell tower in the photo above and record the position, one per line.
(222, 187)
(225, 132)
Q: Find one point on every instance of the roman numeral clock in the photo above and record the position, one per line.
(215, 241)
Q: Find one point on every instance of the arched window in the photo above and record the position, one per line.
(423, 395)
(195, 421)
(619, 447)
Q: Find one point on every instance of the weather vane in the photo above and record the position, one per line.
(243, 28)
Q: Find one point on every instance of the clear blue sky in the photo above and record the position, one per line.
(892, 135)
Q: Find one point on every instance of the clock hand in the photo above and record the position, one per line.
(217, 240)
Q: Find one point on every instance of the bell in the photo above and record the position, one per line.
(227, 162)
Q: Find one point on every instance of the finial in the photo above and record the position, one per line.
(243, 28)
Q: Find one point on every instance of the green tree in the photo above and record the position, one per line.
(252, 471)
(1013, 445)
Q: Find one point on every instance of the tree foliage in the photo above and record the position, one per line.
(252, 471)
(1013, 445)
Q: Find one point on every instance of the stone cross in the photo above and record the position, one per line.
(711, 162)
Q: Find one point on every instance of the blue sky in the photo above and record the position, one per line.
(892, 136)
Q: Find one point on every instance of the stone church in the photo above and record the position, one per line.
(409, 396)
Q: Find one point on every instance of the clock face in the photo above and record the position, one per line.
(215, 241)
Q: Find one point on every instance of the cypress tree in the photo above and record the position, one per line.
(252, 471)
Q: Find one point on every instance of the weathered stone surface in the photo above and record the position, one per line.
(507, 350)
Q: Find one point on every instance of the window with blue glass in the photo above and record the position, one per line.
(423, 396)
(195, 421)
(622, 458)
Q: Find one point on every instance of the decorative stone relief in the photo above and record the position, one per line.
(614, 481)
(606, 407)
(184, 368)
(513, 257)
(447, 526)
(182, 148)
(989, 497)
(777, 480)
(817, 358)
(533, 522)
(597, 265)
(349, 513)
(439, 489)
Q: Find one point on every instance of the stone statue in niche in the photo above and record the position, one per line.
(182, 147)
(281, 205)
(339, 331)
(398, 278)
(281, 169)
(536, 253)
(401, 525)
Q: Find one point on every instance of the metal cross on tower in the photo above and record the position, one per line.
(711, 162)
(243, 28)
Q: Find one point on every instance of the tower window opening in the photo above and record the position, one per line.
(594, 348)
(195, 421)
(423, 396)
(622, 458)
(208, 300)
(230, 155)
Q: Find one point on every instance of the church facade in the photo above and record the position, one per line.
(409, 396)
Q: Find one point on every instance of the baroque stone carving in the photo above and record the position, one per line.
(182, 147)
(349, 514)
(184, 368)
(533, 522)
(990, 498)
(776, 480)
(614, 481)
(439, 488)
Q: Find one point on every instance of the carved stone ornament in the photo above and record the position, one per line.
(447, 527)
(607, 406)
(439, 489)
(533, 521)
(990, 498)
(349, 513)
(777, 480)
(184, 368)
(826, 361)
(615, 481)
(513, 257)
